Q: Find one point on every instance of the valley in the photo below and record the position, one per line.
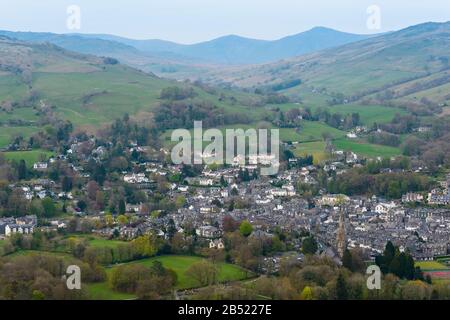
(363, 175)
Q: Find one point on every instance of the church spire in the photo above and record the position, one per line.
(341, 239)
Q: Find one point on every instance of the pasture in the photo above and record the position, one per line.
(30, 157)
(366, 149)
(316, 149)
(179, 264)
(8, 133)
(430, 265)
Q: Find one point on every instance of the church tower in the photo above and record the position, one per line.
(341, 239)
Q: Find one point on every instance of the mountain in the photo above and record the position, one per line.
(402, 67)
(228, 50)
(234, 49)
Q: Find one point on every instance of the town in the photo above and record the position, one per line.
(202, 199)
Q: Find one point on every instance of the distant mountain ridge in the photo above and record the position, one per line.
(234, 49)
(409, 67)
(228, 50)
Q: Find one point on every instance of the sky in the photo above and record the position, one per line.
(191, 21)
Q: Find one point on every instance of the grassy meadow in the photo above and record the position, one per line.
(30, 157)
(179, 264)
(366, 149)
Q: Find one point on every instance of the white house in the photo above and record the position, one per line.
(384, 208)
(208, 232)
(40, 166)
(216, 244)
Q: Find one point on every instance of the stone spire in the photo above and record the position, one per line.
(341, 239)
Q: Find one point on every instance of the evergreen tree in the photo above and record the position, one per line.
(347, 260)
(49, 207)
(122, 207)
(309, 245)
(389, 252)
(22, 170)
(66, 184)
(341, 288)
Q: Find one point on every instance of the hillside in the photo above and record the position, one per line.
(81, 87)
(180, 61)
(164, 63)
(42, 80)
(406, 65)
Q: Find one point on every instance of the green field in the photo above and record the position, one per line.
(316, 149)
(369, 113)
(30, 157)
(11, 87)
(430, 265)
(179, 264)
(312, 131)
(7, 134)
(90, 99)
(27, 114)
(99, 243)
(113, 92)
(366, 149)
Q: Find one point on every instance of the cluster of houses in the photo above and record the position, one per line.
(268, 204)
(22, 225)
(370, 222)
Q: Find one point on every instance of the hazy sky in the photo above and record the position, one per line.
(189, 21)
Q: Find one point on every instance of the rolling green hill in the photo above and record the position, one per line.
(399, 67)
(87, 90)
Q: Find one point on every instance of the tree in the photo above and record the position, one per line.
(92, 188)
(122, 219)
(100, 200)
(66, 184)
(22, 170)
(347, 260)
(146, 246)
(49, 207)
(234, 192)
(122, 206)
(306, 293)
(309, 245)
(180, 201)
(126, 278)
(245, 228)
(389, 252)
(341, 288)
(171, 229)
(82, 205)
(223, 183)
(36, 208)
(109, 220)
(229, 224)
(416, 290)
(203, 272)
